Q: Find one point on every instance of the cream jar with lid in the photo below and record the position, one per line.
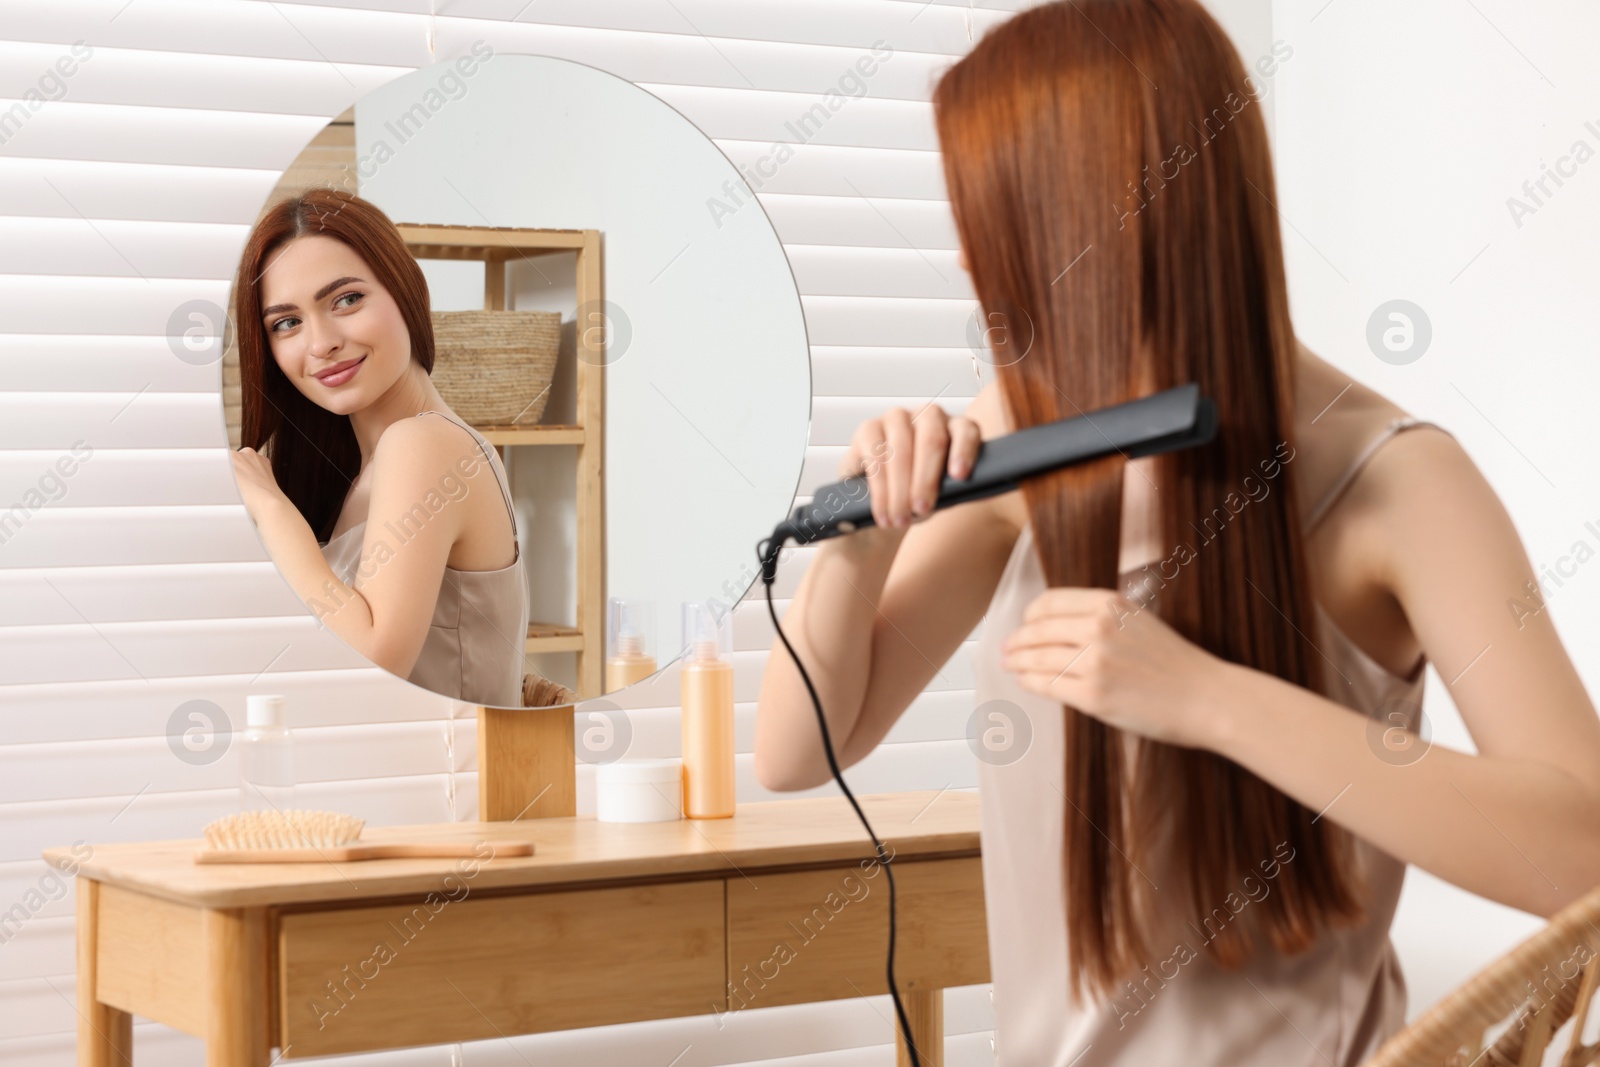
(639, 790)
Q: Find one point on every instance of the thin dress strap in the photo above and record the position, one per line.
(504, 492)
(1396, 425)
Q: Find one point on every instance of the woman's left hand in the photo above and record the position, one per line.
(1098, 651)
(257, 484)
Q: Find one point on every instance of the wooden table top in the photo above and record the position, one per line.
(925, 824)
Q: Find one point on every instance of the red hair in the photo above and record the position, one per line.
(1102, 220)
(313, 451)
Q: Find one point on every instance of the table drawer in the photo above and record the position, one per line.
(821, 935)
(482, 967)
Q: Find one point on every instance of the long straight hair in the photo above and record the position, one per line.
(313, 451)
(1111, 181)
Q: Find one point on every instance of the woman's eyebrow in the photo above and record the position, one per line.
(324, 291)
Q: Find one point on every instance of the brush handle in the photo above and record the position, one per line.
(351, 853)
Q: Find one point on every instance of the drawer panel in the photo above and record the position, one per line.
(823, 935)
(483, 967)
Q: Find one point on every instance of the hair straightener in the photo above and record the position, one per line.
(1164, 422)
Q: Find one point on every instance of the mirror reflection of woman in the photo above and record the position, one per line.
(388, 514)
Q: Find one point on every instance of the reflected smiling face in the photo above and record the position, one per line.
(334, 331)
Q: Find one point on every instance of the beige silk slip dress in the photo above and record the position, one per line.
(474, 648)
(1330, 1006)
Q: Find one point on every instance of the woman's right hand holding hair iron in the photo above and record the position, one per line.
(904, 457)
(878, 612)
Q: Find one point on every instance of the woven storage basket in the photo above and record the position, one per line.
(541, 692)
(494, 367)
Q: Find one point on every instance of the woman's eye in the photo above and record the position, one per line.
(292, 320)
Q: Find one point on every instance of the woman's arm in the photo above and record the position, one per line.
(877, 613)
(421, 477)
(1519, 822)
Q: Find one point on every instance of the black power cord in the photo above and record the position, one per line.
(767, 551)
(1162, 422)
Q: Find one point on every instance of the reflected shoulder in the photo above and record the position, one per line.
(423, 448)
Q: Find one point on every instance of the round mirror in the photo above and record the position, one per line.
(517, 368)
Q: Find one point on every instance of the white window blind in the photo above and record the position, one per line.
(136, 583)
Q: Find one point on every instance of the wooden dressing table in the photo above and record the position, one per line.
(784, 903)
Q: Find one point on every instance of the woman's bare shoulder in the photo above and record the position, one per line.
(1363, 482)
(1339, 421)
(437, 445)
(418, 457)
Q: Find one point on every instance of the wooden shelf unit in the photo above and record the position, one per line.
(496, 247)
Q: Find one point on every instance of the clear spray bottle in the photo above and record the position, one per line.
(631, 637)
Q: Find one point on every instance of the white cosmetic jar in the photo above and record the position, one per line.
(640, 790)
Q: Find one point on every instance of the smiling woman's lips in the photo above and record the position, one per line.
(340, 377)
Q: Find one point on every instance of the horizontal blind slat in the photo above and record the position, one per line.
(138, 652)
(167, 592)
(117, 477)
(154, 192)
(374, 33)
(64, 363)
(165, 76)
(100, 710)
(59, 421)
(97, 537)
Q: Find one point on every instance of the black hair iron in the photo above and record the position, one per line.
(1164, 422)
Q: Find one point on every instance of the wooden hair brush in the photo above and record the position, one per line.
(296, 836)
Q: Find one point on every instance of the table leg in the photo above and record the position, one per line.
(105, 1034)
(925, 1011)
(236, 987)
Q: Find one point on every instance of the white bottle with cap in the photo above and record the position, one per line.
(266, 756)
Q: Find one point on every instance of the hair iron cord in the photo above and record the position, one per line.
(1166, 421)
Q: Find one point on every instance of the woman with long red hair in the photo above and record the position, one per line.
(397, 530)
(1210, 661)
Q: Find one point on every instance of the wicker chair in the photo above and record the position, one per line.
(540, 692)
(1536, 987)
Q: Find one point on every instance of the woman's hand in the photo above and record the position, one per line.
(257, 484)
(905, 457)
(1099, 652)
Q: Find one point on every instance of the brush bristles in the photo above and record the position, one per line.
(283, 829)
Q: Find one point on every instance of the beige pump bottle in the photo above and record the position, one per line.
(631, 637)
(706, 680)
